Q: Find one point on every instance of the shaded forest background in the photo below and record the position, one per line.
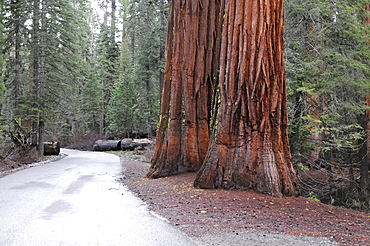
(72, 74)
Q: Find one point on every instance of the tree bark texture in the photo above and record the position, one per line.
(251, 150)
(368, 111)
(190, 77)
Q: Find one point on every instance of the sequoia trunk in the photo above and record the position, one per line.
(190, 76)
(368, 111)
(251, 150)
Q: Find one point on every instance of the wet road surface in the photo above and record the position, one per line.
(77, 201)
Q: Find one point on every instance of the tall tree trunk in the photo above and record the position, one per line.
(17, 64)
(183, 134)
(42, 80)
(251, 150)
(113, 24)
(365, 148)
(368, 111)
(104, 6)
(122, 49)
(162, 47)
(35, 65)
(364, 153)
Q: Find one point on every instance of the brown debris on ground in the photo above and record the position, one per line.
(7, 164)
(16, 160)
(17, 157)
(200, 212)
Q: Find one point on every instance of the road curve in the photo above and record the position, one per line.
(77, 201)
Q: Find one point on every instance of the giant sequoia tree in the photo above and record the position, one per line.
(251, 150)
(190, 79)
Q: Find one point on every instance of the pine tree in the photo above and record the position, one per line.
(124, 115)
(327, 69)
(327, 60)
(107, 54)
(47, 62)
(141, 68)
(14, 23)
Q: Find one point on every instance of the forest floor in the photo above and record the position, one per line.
(230, 217)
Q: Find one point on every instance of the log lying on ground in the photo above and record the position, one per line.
(51, 148)
(124, 144)
(128, 144)
(106, 145)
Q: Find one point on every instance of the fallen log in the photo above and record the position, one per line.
(51, 148)
(106, 145)
(128, 144)
(124, 144)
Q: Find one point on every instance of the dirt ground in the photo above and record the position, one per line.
(229, 217)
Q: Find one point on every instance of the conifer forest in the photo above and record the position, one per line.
(272, 97)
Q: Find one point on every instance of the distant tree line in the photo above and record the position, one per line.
(69, 70)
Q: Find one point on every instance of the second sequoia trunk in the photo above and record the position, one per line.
(190, 78)
(251, 150)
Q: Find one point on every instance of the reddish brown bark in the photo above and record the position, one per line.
(252, 149)
(364, 152)
(190, 78)
(368, 104)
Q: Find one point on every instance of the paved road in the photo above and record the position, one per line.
(77, 201)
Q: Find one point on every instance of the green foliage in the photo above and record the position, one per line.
(312, 196)
(64, 68)
(45, 50)
(124, 113)
(303, 167)
(327, 68)
(91, 101)
(327, 62)
(134, 105)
